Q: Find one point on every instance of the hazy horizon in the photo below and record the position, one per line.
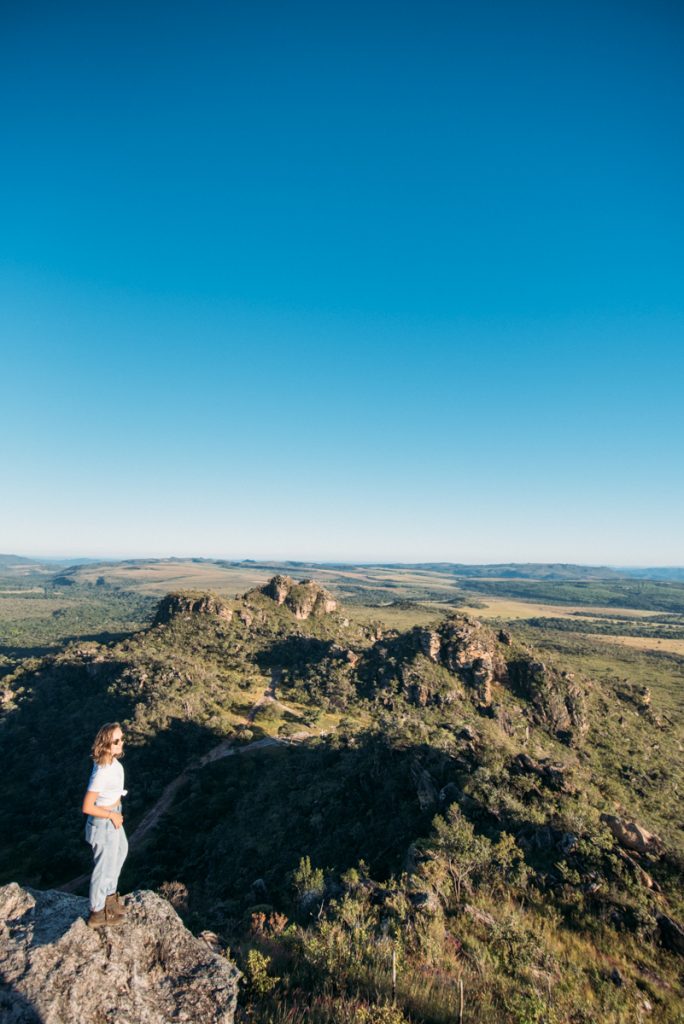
(37, 555)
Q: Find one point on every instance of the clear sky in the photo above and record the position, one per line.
(364, 281)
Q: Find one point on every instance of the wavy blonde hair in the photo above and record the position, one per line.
(102, 743)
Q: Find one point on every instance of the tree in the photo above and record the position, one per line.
(463, 852)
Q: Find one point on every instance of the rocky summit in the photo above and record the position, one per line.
(303, 598)
(149, 970)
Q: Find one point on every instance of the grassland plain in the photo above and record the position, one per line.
(644, 643)
(426, 819)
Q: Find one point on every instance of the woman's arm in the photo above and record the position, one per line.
(90, 807)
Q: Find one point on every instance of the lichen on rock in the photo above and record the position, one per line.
(148, 970)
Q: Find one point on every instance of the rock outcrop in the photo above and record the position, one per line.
(671, 934)
(304, 599)
(552, 775)
(149, 970)
(632, 836)
(189, 603)
(556, 700)
(467, 649)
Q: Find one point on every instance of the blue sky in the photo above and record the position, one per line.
(343, 281)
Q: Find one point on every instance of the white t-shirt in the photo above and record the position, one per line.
(108, 781)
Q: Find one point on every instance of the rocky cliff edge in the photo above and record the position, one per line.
(149, 970)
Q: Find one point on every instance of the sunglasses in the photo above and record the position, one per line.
(115, 743)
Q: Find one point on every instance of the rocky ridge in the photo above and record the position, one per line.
(478, 659)
(191, 603)
(149, 970)
(304, 598)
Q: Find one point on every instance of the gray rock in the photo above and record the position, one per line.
(449, 794)
(481, 916)
(425, 902)
(556, 700)
(426, 790)
(148, 970)
(430, 643)
(568, 843)
(671, 934)
(466, 733)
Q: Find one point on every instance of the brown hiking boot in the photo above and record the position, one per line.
(100, 918)
(114, 908)
(123, 909)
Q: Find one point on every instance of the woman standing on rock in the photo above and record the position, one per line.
(104, 828)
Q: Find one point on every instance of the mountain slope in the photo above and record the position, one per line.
(456, 790)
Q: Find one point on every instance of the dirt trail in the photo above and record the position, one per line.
(226, 748)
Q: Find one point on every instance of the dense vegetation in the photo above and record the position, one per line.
(672, 628)
(437, 814)
(656, 595)
(32, 623)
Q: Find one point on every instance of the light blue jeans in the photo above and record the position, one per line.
(110, 847)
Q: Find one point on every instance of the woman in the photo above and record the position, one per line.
(104, 828)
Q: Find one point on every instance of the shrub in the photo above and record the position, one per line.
(260, 981)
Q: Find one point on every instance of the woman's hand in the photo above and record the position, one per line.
(116, 819)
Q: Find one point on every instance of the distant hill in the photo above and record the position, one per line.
(536, 570)
(671, 573)
(503, 570)
(8, 561)
(548, 571)
(17, 561)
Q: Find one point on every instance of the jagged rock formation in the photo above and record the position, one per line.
(469, 650)
(463, 646)
(149, 970)
(304, 599)
(190, 603)
(278, 588)
(465, 654)
(425, 787)
(556, 700)
(477, 659)
(480, 658)
(476, 655)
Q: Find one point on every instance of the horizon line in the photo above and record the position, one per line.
(328, 562)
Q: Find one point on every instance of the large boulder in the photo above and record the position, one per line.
(633, 836)
(149, 970)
